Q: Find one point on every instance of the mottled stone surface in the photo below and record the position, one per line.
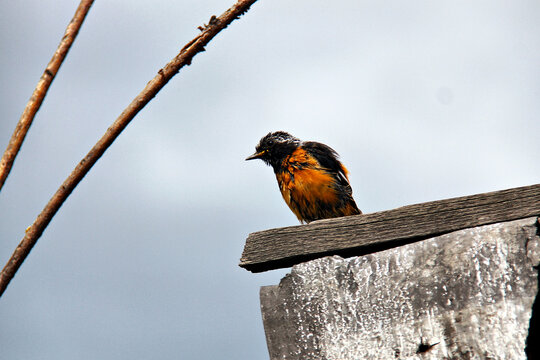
(469, 292)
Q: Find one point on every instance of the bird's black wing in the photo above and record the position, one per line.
(328, 158)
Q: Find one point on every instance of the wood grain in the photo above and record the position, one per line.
(362, 234)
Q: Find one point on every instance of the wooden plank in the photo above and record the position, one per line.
(367, 233)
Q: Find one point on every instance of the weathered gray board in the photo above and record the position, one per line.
(462, 295)
(367, 233)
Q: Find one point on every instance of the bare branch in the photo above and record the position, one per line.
(41, 89)
(152, 88)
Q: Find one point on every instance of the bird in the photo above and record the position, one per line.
(313, 182)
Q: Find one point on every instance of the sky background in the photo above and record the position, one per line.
(423, 100)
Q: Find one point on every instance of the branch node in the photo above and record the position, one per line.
(214, 20)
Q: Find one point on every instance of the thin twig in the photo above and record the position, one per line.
(41, 89)
(152, 88)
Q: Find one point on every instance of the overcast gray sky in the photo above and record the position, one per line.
(424, 100)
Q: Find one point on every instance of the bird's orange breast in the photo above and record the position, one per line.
(306, 187)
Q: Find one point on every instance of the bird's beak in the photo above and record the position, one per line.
(257, 155)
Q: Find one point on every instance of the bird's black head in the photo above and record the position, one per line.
(274, 147)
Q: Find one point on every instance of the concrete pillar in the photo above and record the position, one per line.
(463, 295)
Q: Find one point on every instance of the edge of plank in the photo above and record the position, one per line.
(422, 211)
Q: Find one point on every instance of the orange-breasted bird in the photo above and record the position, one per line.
(312, 181)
